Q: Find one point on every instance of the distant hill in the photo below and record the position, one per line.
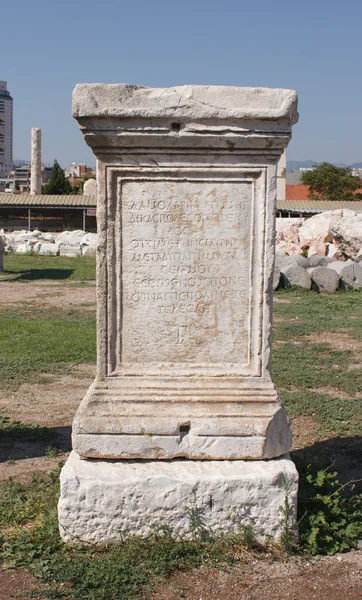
(307, 164)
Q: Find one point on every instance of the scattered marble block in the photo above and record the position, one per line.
(103, 501)
(296, 276)
(49, 250)
(68, 250)
(324, 279)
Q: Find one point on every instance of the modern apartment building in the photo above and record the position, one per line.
(6, 130)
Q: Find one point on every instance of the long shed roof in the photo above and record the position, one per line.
(75, 201)
(318, 206)
(49, 200)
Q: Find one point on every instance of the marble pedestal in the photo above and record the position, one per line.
(103, 501)
(183, 409)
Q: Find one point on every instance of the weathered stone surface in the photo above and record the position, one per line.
(316, 232)
(186, 249)
(70, 238)
(68, 250)
(89, 251)
(302, 261)
(324, 279)
(102, 501)
(35, 176)
(347, 233)
(287, 235)
(359, 256)
(49, 250)
(283, 262)
(296, 276)
(89, 239)
(276, 277)
(319, 261)
(23, 249)
(345, 271)
(90, 188)
(357, 268)
(186, 183)
(185, 102)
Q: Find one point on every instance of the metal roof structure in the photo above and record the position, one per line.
(318, 206)
(48, 200)
(78, 201)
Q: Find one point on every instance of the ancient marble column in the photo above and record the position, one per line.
(187, 180)
(35, 177)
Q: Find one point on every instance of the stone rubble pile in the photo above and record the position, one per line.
(335, 234)
(66, 243)
(332, 241)
(321, 273)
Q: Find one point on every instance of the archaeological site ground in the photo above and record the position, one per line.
(317, 357)
(183, 418)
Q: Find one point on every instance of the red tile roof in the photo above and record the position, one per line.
(296, 192)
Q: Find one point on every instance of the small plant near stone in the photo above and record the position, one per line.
(288, 535)
(52, 452)
(330, 514)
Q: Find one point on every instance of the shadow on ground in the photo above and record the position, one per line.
(343, 453)
(19, 443)
(39, 274)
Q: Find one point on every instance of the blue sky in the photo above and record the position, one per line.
(314, 47)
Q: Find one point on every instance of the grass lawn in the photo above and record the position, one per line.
(35, 342)
(317, 358)
(59, 268)
(317, 361)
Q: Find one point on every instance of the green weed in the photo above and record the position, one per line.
(330, 515)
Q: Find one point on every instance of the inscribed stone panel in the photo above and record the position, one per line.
(186, 270)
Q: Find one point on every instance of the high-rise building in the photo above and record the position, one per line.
(6, 130)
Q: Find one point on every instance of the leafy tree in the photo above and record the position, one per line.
(58, 182)
(328, 182)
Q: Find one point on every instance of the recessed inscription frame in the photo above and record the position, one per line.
(117, 179)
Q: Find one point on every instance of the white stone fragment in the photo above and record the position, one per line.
(187, 101)
(90, 188)
(101, 501)
(70, 238)
(319, 261)
(68, 250)
(324, 279)
(89, 239)
(347, 233)
(89, 251)
(23, 249)
(359, 256)
(35, 176)
(345, 271)
(296, 276)
(49, 250)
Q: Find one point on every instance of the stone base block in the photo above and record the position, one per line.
(199, 418)
(103, 501)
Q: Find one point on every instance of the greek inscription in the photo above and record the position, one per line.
(186, 268)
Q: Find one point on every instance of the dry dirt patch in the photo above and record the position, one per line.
(50, 405)
(48, 293)
(341, 341)
(294, 579)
